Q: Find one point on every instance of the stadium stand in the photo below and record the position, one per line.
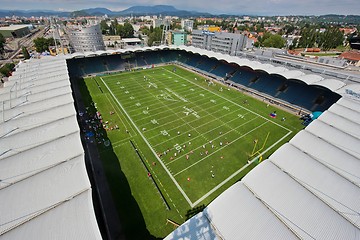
(301, 191)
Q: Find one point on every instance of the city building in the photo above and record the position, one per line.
(187, 25)
(130, 43)
(351, 57)
(86, 38)
(15, 31)
(112, 40)
(227, 43)
(176, 38)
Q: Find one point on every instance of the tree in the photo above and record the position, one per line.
(126, 30)
(7, 69)
(145, 30)
(275, 41)
(2, 43)
(154, 36)
(331, 38)
(104, 27)
(25, 53)
(42, 44)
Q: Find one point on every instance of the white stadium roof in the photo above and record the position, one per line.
(45, 192)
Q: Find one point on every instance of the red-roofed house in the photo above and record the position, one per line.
(353, 57)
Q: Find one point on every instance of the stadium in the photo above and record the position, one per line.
(181, 143)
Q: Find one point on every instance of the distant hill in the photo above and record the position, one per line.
(159, 9)
(144, 10)
(30, 13)
(150, 9)
(98, 11)
(135, 11)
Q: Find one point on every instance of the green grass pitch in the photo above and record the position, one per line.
(196, 137)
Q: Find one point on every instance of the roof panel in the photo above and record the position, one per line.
(335, 137)
(237, 206)
(299, 209)
(68, 220)
(334, 158)
(336, 191)
(197, 227)
(24, 164)
(68, 178)
(339, 122)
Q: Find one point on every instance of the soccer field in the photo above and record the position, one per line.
(201, 132)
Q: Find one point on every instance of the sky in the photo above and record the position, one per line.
(240, 7)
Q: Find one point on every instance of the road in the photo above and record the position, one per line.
(17, 44)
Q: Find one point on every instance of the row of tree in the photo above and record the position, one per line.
(311, 37)
(2, 44)
(124, 31)
(154, 35)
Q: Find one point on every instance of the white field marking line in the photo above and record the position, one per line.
(187, 122)
(231, 130)
(219, 119)
(237, 172)
(125, 102)
(229, 101)
(186, 90)
(158, 180)
(119, 116)
(148, 144)
(120, 143)
(132, 129)
(219, 149)
(171, 122)
(171, 110)
(127, 73)
(136, 95)
(176, 104)
(201, 133)
(202, 109)
(116, 91)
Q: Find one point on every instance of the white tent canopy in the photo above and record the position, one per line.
(45, 192)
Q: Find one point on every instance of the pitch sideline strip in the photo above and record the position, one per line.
(148, 144)
(228, 100)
